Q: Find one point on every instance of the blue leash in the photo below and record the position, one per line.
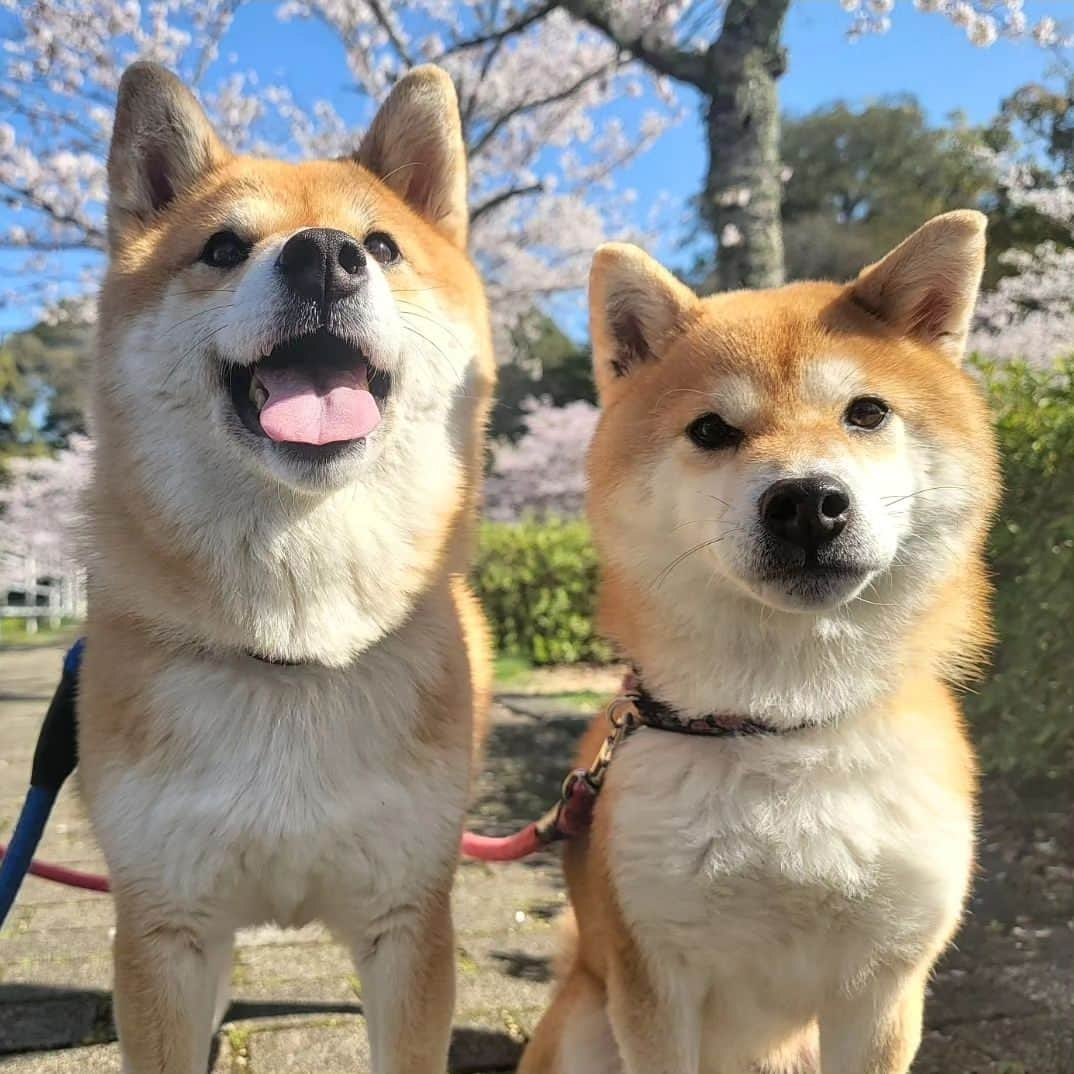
(54, 760)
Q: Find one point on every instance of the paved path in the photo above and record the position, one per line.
(1001, 1003)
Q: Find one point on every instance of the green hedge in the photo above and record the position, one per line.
(1022, 713)
(537, 582)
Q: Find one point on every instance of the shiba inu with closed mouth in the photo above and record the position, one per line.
(789, 492)
(283, 664)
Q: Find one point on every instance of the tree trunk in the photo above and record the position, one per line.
(743, 188)
(736, 75)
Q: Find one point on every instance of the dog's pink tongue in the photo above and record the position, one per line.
(301, 412)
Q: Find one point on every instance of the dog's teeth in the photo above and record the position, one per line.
(258, 394)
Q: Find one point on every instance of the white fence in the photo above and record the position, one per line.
(40, 588)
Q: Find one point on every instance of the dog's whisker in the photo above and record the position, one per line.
(194, 316)
(210, 291)
(435, 346)
(695, 522)
(662, 577)
(890, 501)
(415, 312)
(201, 341)
(717, 499)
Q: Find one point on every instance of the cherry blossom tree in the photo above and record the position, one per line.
(533, 88)
(537, 80)
(1030, 313)
(984, 21)
(40, 500)
(543, 472)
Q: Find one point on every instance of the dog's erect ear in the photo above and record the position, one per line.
(926, 287)
(636, 307)
(162, 144)
(415, 147)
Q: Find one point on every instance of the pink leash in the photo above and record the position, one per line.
(480, 847)
(570, 815)
(71, 877)
(567, 818)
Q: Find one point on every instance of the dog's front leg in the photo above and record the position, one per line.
(167, 978)
(406, 962)
(656, 1019)
(876, 1030)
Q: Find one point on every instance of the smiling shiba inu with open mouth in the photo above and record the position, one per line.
(789, 491)
(283, 663)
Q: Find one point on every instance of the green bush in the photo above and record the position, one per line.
(537, 582)
(1023, 712)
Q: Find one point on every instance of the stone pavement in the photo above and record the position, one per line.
(1000, 1004)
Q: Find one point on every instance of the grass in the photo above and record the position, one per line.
(511, 670)
(14, 635)
(582, 700)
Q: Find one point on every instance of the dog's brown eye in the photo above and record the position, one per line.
(382, 248)
(225, 250)
(867, 413)
(711, 433)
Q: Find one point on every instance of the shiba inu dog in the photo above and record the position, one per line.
(789, 491)
(283, 665)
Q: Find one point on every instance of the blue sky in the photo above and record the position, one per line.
(922, 54)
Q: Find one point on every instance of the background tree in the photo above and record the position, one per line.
(732, 55)
(548, 366)
(543, 471)
(43, 372)
(40, 499)
(1029, 315)
(533, 88)
(1035, 130)
(860, 179)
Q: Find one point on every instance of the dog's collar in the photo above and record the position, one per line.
(649, 711)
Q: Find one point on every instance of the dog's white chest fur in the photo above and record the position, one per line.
(291, 792)
(771, 871)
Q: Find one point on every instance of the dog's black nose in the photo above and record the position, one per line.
(806, 512)
(322, 264)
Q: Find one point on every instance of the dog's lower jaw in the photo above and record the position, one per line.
(815, 593)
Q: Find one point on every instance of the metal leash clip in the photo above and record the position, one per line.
(574, 810)
(625, 719)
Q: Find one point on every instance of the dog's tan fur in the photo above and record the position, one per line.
(776, 902)
(225, 790)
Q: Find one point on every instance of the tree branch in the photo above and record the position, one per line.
(92, 236)
(214, 35)
(47, 246)
(495, 36)
(502, 198)
(531, 106)
(684, 65)
(37, 112)
(471, 98)
(386, 25)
